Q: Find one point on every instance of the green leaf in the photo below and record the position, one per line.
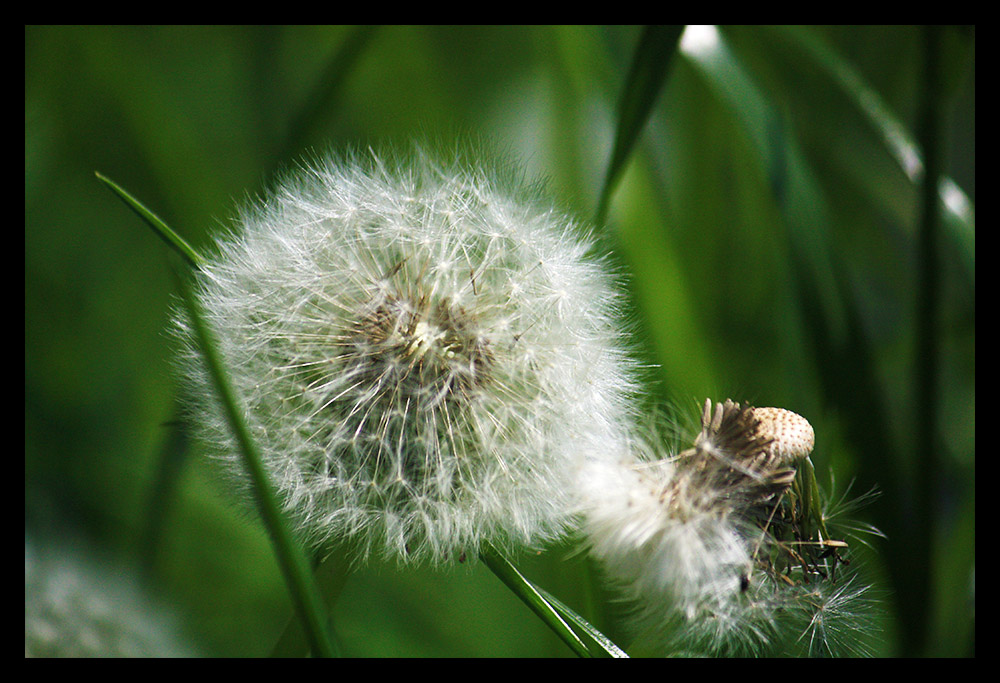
(600, 643)
(650, 63)
(162, 229)
(534, 600)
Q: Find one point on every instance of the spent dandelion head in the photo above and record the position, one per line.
(425, 351)
(79, 604)
(719, 544)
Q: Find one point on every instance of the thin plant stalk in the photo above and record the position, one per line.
(159, 227)
(305, 594)
(331, 574)
(552, 612)
(295, 567)
(927, 363)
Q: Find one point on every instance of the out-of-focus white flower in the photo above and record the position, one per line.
(426, 353)
(76, 605)
(719, 547)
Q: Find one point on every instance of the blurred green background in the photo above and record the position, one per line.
(769, 222)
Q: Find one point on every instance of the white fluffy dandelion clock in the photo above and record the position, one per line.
(425, 354)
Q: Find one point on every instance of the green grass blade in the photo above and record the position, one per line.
(928, 362)
(534, 600)
(162, 229)
(291, 558)
(830, 314)
(293, 562)
(600, 643)
(324, 93)
(959, 213)
(647, 74)
(162, 494)
(832, 321)
(794, 188)
(174, 449)
(331, 574)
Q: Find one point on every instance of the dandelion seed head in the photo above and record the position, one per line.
(712, 545)
(426, 353)
(79, 604)
(662, 534)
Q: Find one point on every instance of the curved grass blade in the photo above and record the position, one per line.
(647, 74)
(162, 229)
(600, 643)
(959, 212)
(534, 600)
(174, 449)
(293, 562)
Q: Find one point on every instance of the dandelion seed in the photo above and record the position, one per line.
(426, 353)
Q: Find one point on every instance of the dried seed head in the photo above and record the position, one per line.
(738, 458)
(790, 435)
(717, 543)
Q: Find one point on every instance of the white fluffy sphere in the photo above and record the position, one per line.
(424, 352)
